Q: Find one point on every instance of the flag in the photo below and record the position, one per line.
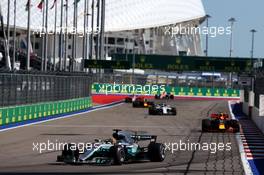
(40, 5)
(27, 5)
(55, 1)
(64, 5)
(76, 1)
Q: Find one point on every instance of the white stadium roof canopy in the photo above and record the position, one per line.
(120, 14)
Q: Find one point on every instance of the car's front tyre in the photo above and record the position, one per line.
(235, 125)
(156, 152)
(118, 154)
(69, 154)
(206, 125)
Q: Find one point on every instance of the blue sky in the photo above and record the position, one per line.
(249, 14)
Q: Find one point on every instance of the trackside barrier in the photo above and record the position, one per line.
(256, 118)
(16, 114)
(98, 88)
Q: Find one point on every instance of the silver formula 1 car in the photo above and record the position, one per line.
(162, 109)
(121, 148)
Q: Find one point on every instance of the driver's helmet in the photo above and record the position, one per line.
(222, 116)
(115, 136)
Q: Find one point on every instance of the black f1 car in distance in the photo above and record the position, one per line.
(220, 122)
(162, 109)
(122, 148)
(141, 102)
(164, 95)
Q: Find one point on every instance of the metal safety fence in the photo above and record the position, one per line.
(18, 88)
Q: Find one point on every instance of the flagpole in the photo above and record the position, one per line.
(14, 38)
(46, 36)
(84, 33)
(61, 38)
(92, 32)
(97, 55)
(87, 32)
(8, 35)
(102, 30)
(55, 37)
(74, 35)
(97, 30)
(28, 37)
(66, 38)
(43, 37)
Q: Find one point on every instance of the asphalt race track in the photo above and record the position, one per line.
(17, 155)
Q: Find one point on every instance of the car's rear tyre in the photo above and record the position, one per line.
(173, 111)
(157, 96)
(235, 125)
(150, 104)
(206, 125)
(156, 152)
(172, 97)
(60, 158)
(151, 111)
(68, 154)
(159, 112)
(128, 100)
(118, 154)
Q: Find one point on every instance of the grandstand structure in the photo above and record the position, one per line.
(131, 26)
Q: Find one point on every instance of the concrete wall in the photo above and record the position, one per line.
(258, 120)
(245, 108)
